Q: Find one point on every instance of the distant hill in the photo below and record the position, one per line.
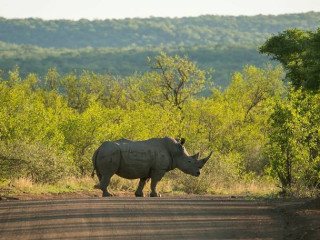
(120, 47)
(151, 31)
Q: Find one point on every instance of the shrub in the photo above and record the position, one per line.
(35, 161)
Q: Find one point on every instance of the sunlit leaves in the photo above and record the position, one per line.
(294, 142)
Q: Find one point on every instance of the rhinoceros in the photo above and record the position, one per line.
(149, 159)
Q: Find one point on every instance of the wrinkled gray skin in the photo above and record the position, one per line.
(143, 159)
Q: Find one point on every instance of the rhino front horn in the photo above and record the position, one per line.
(203, 161)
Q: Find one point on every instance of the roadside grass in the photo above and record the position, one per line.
(26, 185)
(254, 188)
(260, 189)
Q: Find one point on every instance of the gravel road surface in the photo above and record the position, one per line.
(140, 218)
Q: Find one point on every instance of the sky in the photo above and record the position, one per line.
(119, 9)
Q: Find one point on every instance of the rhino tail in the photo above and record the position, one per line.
(94, 162)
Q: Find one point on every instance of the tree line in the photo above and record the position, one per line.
(31, 59)
(224, 43)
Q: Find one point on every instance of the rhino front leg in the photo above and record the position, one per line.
(139, 191)
(104, 183)
(156, 176)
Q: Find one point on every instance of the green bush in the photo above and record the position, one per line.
(36, 161)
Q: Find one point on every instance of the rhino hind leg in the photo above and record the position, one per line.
(97, 186)
(104, 183)
(139, 191)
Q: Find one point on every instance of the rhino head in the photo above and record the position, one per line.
(186, 163)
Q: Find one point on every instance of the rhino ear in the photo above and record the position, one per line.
(182, 141)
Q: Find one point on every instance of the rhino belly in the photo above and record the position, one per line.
(134, 165)
(134, 170)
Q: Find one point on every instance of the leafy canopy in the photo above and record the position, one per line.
(299, 52)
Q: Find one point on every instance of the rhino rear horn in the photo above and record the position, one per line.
(196, 156)
(203, 161)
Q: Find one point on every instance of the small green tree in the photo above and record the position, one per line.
(178, 79)
(294, 141)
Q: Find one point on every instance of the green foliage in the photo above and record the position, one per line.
(293, 145)
(57, 105)
(178, 78)
(299, 52)
(43, 164)
(30, 139)
(294, 140)
(50, 128)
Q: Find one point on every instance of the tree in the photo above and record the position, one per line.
(299, 52)
(178, 78)
(294, 141)
(52, 80)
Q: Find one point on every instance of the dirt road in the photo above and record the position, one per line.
(141, 218)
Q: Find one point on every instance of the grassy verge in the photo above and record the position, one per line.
(118, 184)
(26, 185)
